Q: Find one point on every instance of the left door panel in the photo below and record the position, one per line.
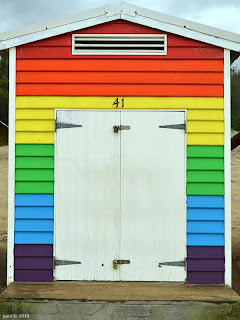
(87, 195)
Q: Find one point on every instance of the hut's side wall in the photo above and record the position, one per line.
(189, 77)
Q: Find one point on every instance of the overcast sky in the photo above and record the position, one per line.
(218, 13)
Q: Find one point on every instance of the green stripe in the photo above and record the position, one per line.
(205, 176)
(34, 162)
(205, 189)
(34, 187)
(205, 151)
(205, 164)
(35, 150)
(34, 175)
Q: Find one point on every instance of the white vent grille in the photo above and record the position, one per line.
(142, 44)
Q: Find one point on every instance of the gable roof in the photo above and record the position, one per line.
(124, 11)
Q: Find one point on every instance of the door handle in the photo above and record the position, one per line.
(116, 128)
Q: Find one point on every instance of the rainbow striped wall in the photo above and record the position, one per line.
(49, 78)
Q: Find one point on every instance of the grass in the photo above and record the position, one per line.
(3, 141)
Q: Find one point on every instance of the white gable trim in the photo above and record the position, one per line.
(123, 11)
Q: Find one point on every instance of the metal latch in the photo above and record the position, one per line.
(65, 262)
(62, 125)
(117, 262)
(173, 264)
(179, 126)
(116, 128)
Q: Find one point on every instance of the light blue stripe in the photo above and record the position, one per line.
(205, 239)
(34, 213)
(205, 201)
(33, 238)
(34, 200)
(205, 227)
(34, 225)
(205, 214)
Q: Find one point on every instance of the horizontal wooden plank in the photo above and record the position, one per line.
(205, 189)
(122, 65)
(205, 126)
(205, 214)
(189, 103)
(34, 175)
(34, 150)
(34, 213)
(34, 225)
(205, 164)
(205, 139)
(35, 114)
(120, 77)
(34, 187)
(34, 200)
(33, 263)
(209, 115)
(174, 53)
(205, 277)
(33, 275)
(35, 125)
(205, 252)
(205, 176)
(205, 151)
(33, 237)
(205, 265)
(194, 239)
(205, 227)
(34, 163)
(34, 138)
(35, 250)
(205, 201)
(130, 90)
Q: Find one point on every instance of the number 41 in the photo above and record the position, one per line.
(117, 102)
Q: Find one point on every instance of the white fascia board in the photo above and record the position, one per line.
(184, 32)
(47, 33)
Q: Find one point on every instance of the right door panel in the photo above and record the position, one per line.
(153, 196)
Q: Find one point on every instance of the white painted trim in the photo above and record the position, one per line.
(123, 11)
(11, 165)
(227, 167)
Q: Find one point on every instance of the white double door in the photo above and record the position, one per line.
(119, 196)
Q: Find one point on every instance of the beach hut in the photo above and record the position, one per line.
(119, 150)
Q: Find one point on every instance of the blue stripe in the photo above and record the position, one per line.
(205, 239)
(34, 213)
(205, 214)
(33, 238)
(34, 225)
(32, 200)
(205, 227)
(205, 201)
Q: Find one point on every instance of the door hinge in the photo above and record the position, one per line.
(62, 125)
(117, 262)
(179, 126)
(65, 262)
(173, 264)
(116, 128)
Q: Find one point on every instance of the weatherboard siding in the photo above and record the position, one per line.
(49, 77)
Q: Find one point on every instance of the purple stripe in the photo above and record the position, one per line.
(205, 277)
(205, 265)
(205, 252)
(31, 263)
(33, 250)
(33, 275)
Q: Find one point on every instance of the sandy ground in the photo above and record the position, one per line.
(235, 216)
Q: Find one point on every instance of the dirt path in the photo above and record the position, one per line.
(235, 215)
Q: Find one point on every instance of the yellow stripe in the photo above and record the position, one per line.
(205, 115)
(34, 137)
(205, 126)
(35, 125)
(36, 114)
(207, 139)
(129, 102)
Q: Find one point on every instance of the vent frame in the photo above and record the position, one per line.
(117, 38)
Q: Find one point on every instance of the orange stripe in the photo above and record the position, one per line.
(119, 90)
(120, 65)
(120, 77)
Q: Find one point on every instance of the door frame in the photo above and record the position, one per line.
(125, 110)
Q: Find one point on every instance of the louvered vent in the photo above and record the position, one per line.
(119, 44)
